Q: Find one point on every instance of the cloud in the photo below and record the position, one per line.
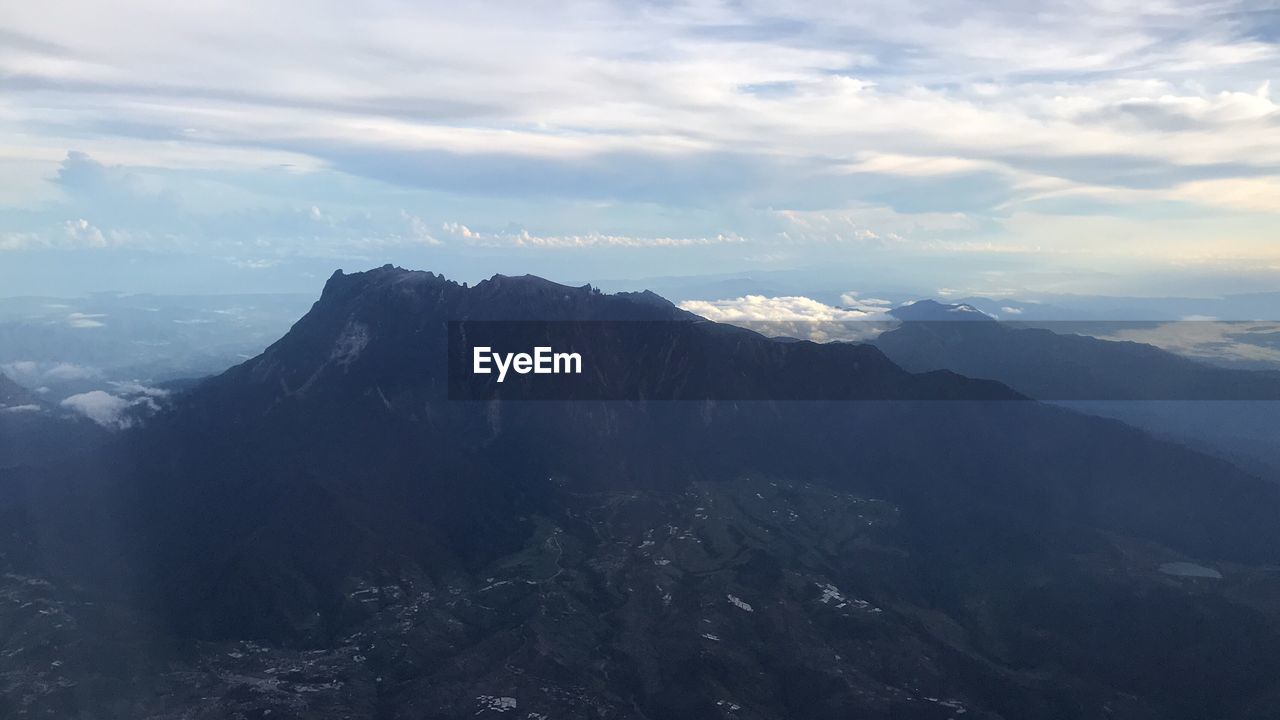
(255, 264)
(853, 301)
(1260, 194)
(69, 371)
(21, 241)
(20, 408)
(150, 210)
(761, 308)
(133, 388)
(1203, 338)
(583, 111)
(101, 407)
(85, 320)
(417, 231)
(20, 368)
(523, 238)
(930, 128)
(121, 409)
(33, 373)
(79, 173)
(876, 225)
(67, 235)
(795, 316)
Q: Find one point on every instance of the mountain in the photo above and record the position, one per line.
(13, 395)
(1052, 366)
(321, 532)
(1226, 411)
(934, 311)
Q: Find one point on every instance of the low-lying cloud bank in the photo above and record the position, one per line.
(800, 317)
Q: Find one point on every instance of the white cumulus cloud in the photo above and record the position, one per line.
(101, 407)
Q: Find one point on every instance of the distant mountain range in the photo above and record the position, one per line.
(828, 284)
(1049, 365)
(1232, 412)
(319, 532)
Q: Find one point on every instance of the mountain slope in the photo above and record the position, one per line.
(14, 395)
(31, 431)
(1051, 366)
(320, 532)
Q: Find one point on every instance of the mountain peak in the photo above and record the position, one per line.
(527, 279)
(501, 297)
(389, 321)
(930, 310)
(532, 284)
(340, 283)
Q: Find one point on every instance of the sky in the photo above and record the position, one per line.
(1113, 147)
